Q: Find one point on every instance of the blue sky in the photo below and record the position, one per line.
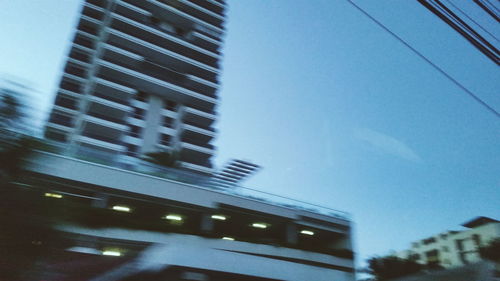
(336, 111)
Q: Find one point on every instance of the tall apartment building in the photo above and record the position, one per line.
(454, 248)
(142, 76)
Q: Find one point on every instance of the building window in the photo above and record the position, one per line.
(167, 122)
(459, 244)
(61, 119)
(131, 150)
(170, 105)
(138, 113)
(66, 102)
(141, 96)
(165, 139)
(135, 131)
(70, 86)
(477, 239)
(429, 241)
(57, 136)
(445, 249)
(432, 256)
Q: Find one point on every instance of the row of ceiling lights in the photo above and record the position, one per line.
(178, 218)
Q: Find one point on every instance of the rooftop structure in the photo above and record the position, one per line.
(454, 248)
(235, 172)
(142, 76)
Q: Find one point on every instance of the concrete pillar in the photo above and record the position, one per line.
(207, 224)
(291, 233)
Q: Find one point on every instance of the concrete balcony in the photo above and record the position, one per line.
(195, 132)
(64, 109)
(205, 41)
(105, 121)
(140, 26)
(100, 143)
(172, 14)
(139, 104)
(198, 12)
(197, 148)
(90, 21)
(78, 63)
(163, 56)
(155, 85)
(166, 130)
(132, 140)
(58, 127)
(111, 104)
(113, 89)
(67, 76)
(196, 168)
(211, 5)
(136, 122)
(194, 115)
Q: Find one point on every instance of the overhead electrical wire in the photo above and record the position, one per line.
(472, 20)
(423, 57)
(455, 22)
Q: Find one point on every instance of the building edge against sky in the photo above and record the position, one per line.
(142, 76)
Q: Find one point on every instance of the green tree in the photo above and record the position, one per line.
(385, 268)
(26, 232)
(163, 158)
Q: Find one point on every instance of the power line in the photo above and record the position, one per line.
(471, 19)
(455, 22)
(439, 69)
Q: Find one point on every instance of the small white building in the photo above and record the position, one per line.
(454, 248)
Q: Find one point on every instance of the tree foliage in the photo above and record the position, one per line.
(164, 158)
(385, 268)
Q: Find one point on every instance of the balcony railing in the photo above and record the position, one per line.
(183, 176)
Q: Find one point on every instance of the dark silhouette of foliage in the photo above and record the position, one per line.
(163, 158)
(385, 268)
(26, 220)
(491, 251)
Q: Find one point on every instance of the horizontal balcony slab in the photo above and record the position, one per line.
(169, 12)
(146, 28)
(136, 122)
(132, 140)
(154, 85)
(112, 104)
(197, 148)
(195, 115)
(64, 109)
(105, 123)
(198, 12)
(162, 55)
(100, 143)
(58, 127)
(196, 168)
(113, 88)
(197, 130)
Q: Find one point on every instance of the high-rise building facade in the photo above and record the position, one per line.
(142, 76)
